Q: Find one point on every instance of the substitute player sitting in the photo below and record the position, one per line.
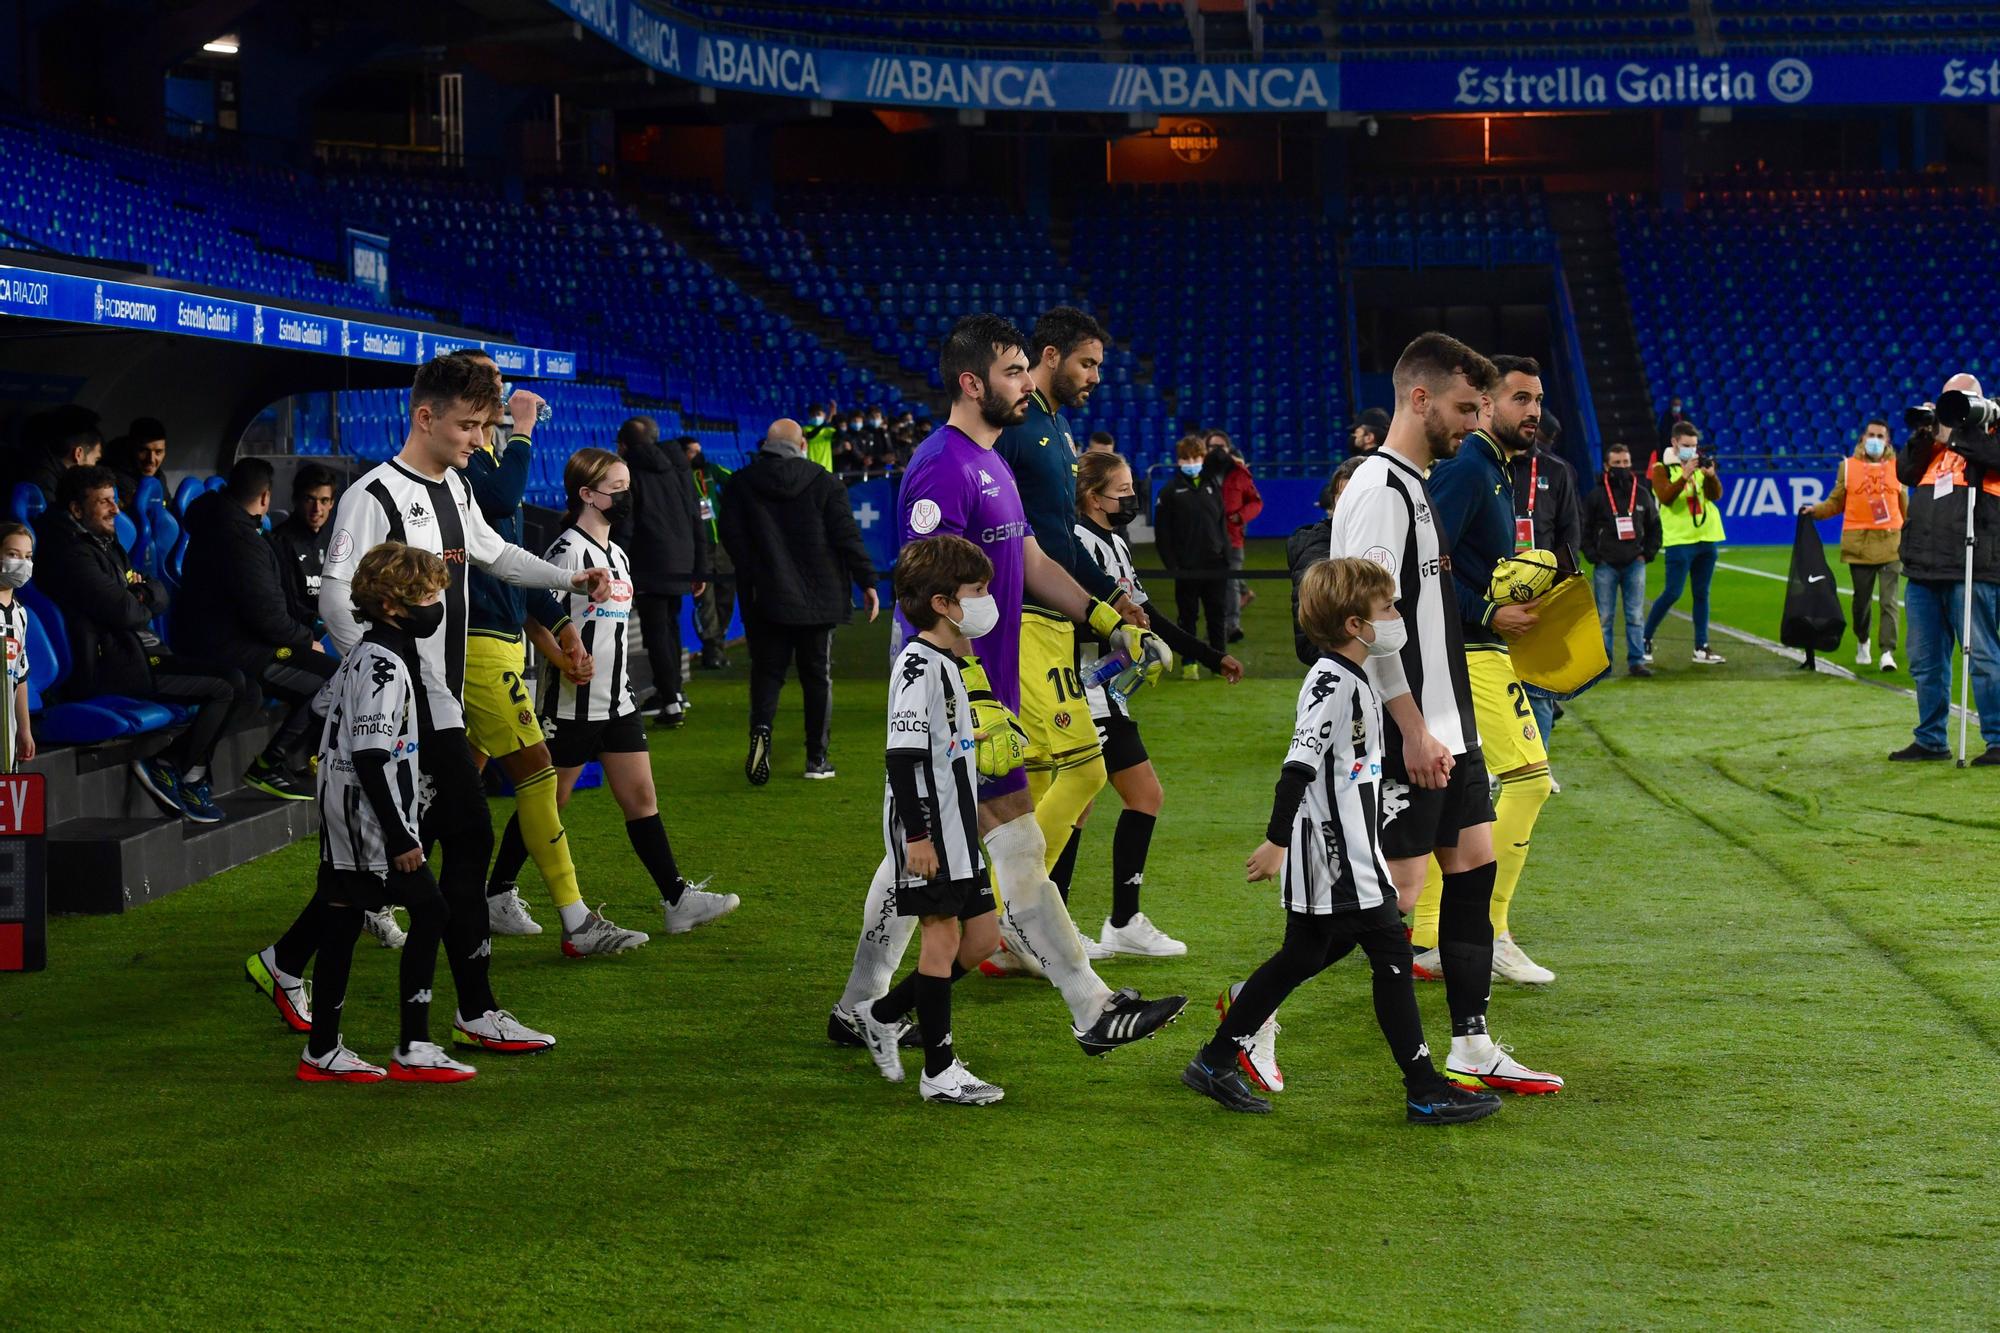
(930, 817)
(1324, 843)
(369, 856)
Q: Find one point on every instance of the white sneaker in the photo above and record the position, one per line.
(1708, 657)
(338, 1065)
(1485, 1063)
(882, 1041)
(382, 925)
(1555, 788)
(1862, 657)
(1140, 936)
(506, 914)
(426, 1062)
(1092, 950)
(1647, 655)
(597, 936)
(1888, 661)
(958, 1086)
(1259, 1059)
(498, 1030)
(1428, 966)
(1510, 964)
(698, 907)
(1006, 963)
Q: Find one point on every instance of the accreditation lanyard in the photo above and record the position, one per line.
(1524, 528)
(1627, 529)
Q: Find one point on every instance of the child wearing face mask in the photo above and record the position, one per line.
(1192, 537)
(1872, 506)
(1324, 845)
(17, 566)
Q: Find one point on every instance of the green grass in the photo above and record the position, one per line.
(1777, 1005)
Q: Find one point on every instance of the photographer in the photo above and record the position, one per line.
(1946, 470)
(1689, 489)
(1871, 503)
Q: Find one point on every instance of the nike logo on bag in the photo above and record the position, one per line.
(1816, 578)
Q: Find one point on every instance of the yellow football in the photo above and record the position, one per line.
(1523, 577)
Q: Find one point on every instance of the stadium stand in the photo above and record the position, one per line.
(1069, 26)
(1753, 293)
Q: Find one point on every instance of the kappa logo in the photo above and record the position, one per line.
(913, 669)
(421, 997)
(1322, 686)
(381, 671)
(986, 478)
(485, 949)
(419, 516)
(1395, 800)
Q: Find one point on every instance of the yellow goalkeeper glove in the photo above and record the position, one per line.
(1001, 746)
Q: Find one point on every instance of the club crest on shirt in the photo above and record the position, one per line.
(343, 546)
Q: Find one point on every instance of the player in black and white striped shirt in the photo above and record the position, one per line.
(1434, 795)
(419, 498)
(596, 718)
(1106, 501)
(930, 817)
(1323, 841)
(370, 800)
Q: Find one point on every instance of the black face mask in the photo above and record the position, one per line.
(423, 621)
(619, 509)
(1121, 517)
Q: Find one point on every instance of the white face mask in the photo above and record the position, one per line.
(1390, 636)
(1686, 454)
(981, 615)
(1874, 447)
(15, 572)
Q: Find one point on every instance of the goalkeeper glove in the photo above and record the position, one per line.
(1144, 647)
(1000, 744)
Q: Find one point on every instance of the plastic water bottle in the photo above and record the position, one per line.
(543, 414)
(1108, 670)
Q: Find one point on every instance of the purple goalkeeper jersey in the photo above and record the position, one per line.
(953, 486)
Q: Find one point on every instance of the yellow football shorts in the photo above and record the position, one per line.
(499, 709)
(1054, 712)
(1507, 731)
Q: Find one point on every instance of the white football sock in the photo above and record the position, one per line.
(1476, 1049)
(1036, 923)
(884, 938)
(573, 915)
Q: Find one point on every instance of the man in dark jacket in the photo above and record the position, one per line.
(797, 550)
(233, 609)
(1946, 470)
(57, 441)
(301, 541)
(717, 603)
(109, 609)
(1190, 535)
(1621, 535)
(662, 539)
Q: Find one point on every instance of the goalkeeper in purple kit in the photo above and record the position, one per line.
(956, 484)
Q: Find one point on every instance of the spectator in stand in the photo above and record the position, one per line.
(58, 440)
(820, 433)
(1872, 504)
(301, 541)
(847, 455)
(1946, 470)
(1674, 415)
(875, 447)
(797, 550)
(1240, 504)
(234, 608)
(1193, 541)
(1621, 535)
(662, 537)
(1369, 432)
(109, 608)
(903, 435)
(140, 452)
(1102, 442)
(716, 603)
(1690, 494)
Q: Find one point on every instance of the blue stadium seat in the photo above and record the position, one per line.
(186, 493)
(27, 502)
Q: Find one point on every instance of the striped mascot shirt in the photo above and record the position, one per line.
(604, 627)
(372, 709)
(1334, 862)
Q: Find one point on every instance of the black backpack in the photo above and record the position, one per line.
(1813, 618)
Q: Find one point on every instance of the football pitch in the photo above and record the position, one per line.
(1777, 995)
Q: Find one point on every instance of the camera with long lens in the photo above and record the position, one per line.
(1968, 411)
(1920, 418)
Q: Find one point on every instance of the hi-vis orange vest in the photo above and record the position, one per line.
(1874, 496)
(1949, 461)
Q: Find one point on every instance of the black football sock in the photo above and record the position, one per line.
(296, 947)
(1065, 867)
(1130, 842)
(468, 940)
(934, 1016)
(1465, 946)
(336, 960)
(507, 862)
(649, 840)
(418, 968)
(1396, 1007)
(1299, 960)
(902, 996)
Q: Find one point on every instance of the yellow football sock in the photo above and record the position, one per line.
(1424, 920)
(1060, 799)
(542, 831)
(1522, 793)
